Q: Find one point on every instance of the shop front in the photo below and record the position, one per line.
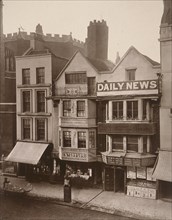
(84, 175)
(130, 175)
(33, 160)
(163, 173)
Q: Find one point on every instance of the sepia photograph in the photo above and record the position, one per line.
(86, 110)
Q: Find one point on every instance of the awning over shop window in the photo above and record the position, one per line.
(27, 152)
(163, 169)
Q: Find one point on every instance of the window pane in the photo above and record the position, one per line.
(117, 142)
(132, 143)
(26, 128)
(117, 110)
(81, 108)
(26, 101)
(66, 139)
(81, 139)
(66, 108)
(40, 75)
(40, 129)
(25, 76)
(41, 101)
(132, 110)
(75, 78)
(91, 139)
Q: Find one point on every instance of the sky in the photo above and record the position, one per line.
(131, 22)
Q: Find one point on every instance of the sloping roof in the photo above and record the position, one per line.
(152, 62)
(101, 65)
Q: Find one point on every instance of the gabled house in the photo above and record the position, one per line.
(128, 124)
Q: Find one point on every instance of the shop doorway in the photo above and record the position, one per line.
(166, 190)
(119, 180)
(109, 179)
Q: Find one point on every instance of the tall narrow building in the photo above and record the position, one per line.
(163, 171)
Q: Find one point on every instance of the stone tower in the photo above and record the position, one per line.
(97, 40)
(166, 70)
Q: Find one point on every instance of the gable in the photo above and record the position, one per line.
(78, 64)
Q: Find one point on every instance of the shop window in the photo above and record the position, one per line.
(75, 78)
(26, 101)
(40, 129)
(25, 76)
(40, 75)
(117, 110)
(132, 110)
(81, 139)
(117, 142)
(66, 139)
(132, 143)
(66, 108)
(130, 74)
(92, 139)
(80, 108)
(40, 101)
(26, 128)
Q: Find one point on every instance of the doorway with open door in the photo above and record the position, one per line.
(114, 179)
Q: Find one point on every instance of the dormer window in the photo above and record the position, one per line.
(130, 74)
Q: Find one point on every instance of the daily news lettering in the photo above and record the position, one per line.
(130, 85)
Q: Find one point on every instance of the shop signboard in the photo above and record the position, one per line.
(128, 88)
(141, 172)
(131, 172)
(75, 154)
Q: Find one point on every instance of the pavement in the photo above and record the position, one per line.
(97, 199)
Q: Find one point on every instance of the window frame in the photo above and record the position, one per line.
(40, 79)
(25, 102)
(81, 110)
(26, 78)
(131, 74)
(23, 128)
(76, 78)
(92, 139)
(40, 104)
(67, 141)
(132, 143)
(45, 130)
(118, 110)
(117, 142)
(82, 139)
(132, 110)
(67, 111)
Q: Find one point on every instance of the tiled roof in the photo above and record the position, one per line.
(101, 65)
